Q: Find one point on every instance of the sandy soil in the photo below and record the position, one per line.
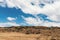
(20, 36)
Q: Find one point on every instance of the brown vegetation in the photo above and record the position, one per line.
(31, 32)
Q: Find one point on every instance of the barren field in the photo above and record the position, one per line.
(20, 36)
(30, 33)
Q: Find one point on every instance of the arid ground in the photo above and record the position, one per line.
(30, 33)
(20, 36)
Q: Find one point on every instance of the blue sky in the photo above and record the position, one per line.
(6, 12)
(29, 13)
(9, 12)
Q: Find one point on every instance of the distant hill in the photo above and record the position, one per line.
(32, 30)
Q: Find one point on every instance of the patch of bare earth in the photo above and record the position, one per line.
(17, 36)
(30, 33)
(21, 36)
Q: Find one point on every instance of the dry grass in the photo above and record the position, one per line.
(30, 33)
(20, 36)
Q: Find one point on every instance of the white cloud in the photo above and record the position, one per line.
(50, 9)
(35, 22)
(49, 24)
(8, 24)
(11, 18)
(32, 21)
(1, 0)
(26, 7)
(10, 3)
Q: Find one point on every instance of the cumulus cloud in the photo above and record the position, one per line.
(51, 8)
(8, 24)
(11, 18)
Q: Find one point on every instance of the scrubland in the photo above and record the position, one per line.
(29, 33)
